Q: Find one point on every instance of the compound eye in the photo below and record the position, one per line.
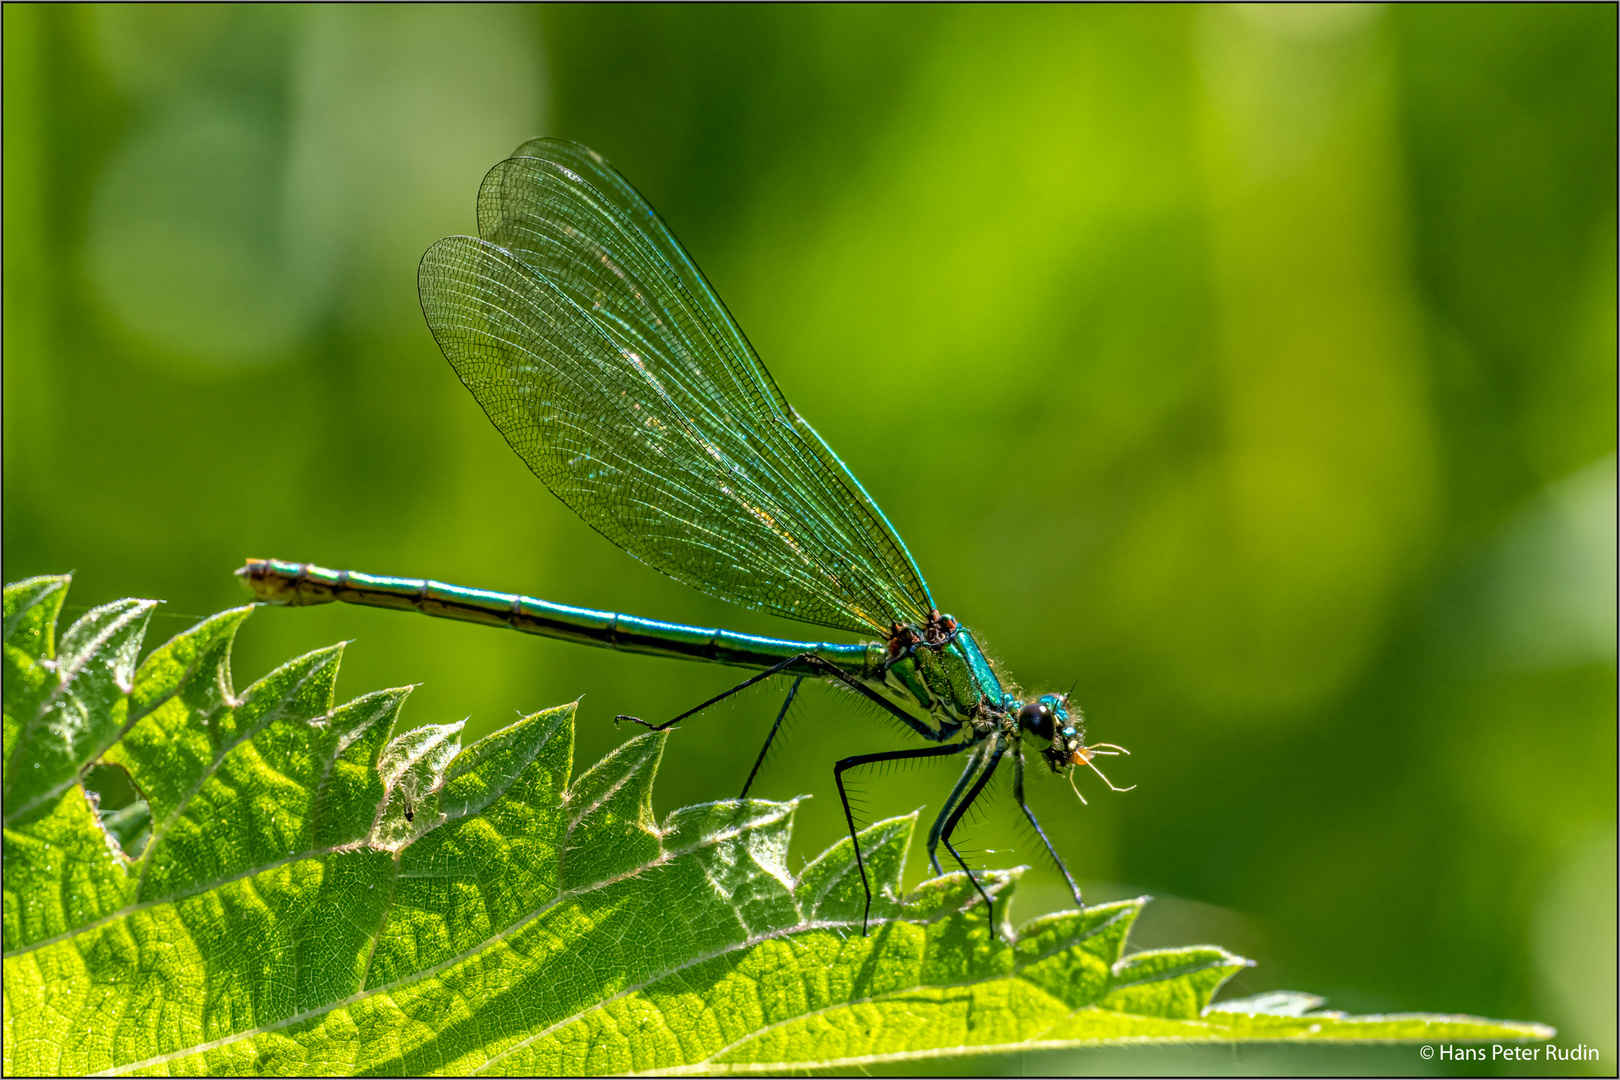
(1038, 719)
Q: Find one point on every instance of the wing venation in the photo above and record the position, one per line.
(603, 356)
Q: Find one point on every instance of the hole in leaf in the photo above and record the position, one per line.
(124, 814)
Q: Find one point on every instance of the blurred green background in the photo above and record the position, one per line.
(1252, 370)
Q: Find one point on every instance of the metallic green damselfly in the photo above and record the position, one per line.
(601, 353)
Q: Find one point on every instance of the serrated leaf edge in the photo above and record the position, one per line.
(329, 655)
(65, 674)
(970, 899)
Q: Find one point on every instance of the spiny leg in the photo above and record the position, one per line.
(1018, 795)
(745, 684)
(827, 668)
(945, 809)
(833, 671)
(792, 690)
(956, 817)
(849, 815)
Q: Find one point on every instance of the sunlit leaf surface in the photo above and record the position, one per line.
(318, 898)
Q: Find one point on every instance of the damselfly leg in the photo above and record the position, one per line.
(1018, 796)
(849, 815)
(956, 816)
(780, 716)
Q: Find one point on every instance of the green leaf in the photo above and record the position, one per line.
(69, 707)
(317, 897)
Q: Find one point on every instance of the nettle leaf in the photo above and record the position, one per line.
(310, 896)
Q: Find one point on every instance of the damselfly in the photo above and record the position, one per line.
(601, 353)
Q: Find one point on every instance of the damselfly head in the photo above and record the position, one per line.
(1047, 719)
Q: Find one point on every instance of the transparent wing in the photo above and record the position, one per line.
(603, 356)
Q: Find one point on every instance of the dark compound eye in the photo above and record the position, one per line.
(1038, 719)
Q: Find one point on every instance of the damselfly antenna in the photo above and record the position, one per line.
(1085, 754)
(1075, 788)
